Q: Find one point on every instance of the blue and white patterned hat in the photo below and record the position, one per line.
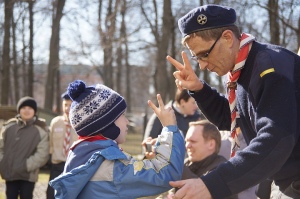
(95, 109)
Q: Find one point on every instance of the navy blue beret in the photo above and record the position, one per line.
(206, 17)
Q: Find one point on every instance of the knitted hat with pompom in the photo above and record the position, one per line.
(95, 109)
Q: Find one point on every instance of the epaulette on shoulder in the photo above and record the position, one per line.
(12, 120)
(41, 123)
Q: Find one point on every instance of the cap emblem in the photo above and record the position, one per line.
(202, 19)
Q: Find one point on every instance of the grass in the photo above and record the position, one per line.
(133, 143)
(131, 146)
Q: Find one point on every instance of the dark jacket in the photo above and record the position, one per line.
(197, 169)
(269, 108)
(203, 167)
(24, 148)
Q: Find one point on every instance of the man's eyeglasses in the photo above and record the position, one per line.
(205, 56)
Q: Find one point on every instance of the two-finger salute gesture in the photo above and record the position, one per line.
(165, 114)
(185, 76)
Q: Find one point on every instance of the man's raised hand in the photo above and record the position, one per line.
(185, 76)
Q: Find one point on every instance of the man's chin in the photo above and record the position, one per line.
(190, 158)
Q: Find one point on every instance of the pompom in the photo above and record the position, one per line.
(76, 88)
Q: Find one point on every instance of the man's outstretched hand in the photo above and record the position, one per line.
(190, 189)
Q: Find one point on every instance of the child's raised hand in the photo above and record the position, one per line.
(165, 115)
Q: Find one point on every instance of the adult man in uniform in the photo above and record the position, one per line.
(264, 93)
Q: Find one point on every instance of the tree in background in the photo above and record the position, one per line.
(107, 30)
(162, 34)
(53, 66)
(5, 72)
(30, 58)
(124, 43)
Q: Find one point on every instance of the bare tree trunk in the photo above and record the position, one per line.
(162, 77)
(126, 55)
(24, 64)
(128, 79)
(53, 65)
(274, 22)
(119, 69)
(173, 87)
(30, 66)
(8, 11)
(107, 39)
(15, 67)
(58, 92)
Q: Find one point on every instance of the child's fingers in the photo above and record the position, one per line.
(152, 105)
(160, 101)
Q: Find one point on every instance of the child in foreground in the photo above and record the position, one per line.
(97, 168)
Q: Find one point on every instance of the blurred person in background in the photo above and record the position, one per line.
(24, 148)
(61, 138)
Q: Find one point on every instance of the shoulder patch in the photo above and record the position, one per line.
(270, 70)
(138, 166)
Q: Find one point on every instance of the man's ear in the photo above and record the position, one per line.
(228, 35)
(181, 101)
(212, 144)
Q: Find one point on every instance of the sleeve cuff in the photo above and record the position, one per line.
(172, 128)
(216, 186)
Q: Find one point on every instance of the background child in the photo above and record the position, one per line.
(61, 137)
(24, 148)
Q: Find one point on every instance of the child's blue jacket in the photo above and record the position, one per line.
(100, 169)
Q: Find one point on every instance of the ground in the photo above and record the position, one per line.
(132, 146)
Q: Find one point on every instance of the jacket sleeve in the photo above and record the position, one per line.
(187, 173)
(151, 177)
(214, 106)
(2, 136)
(2, 130)
(51, 137)
(41, 155)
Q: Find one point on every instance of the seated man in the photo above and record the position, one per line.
(202, 143)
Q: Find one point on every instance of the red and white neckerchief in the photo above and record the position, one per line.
(245, 46)
(67, 139)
